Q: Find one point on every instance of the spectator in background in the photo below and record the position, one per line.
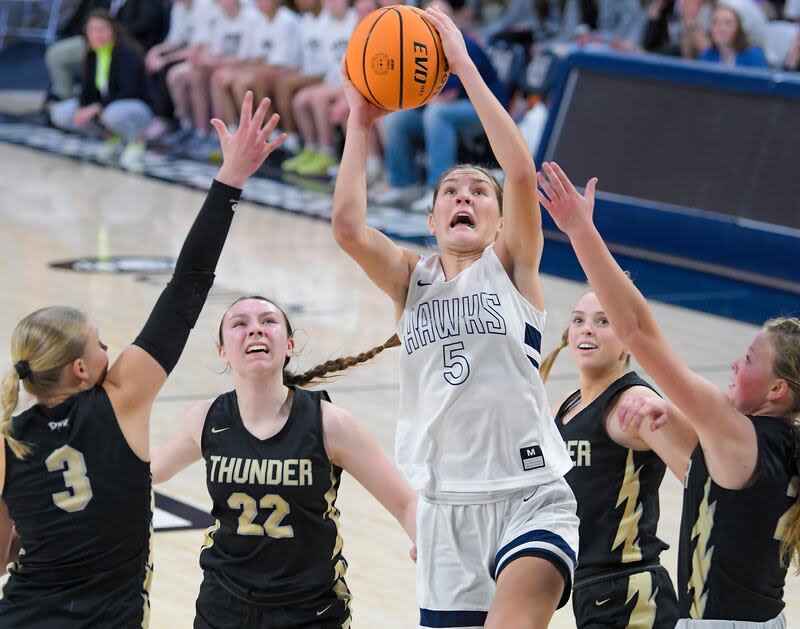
(275, 48)
(516, 22)
(662, 32)
(313, 106)
(619, 23)
(314, 58)
(696, 24)
(189, 82)
(792, 62)
(143, 20)
(438, 125)
(729, 43)
(189, 24)
(113, 91)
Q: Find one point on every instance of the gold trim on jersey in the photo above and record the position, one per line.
(342, 591)
(628, 530)
(332, 513)
(785, 521)
(148, 569)
(208, 542)
(701, 557)
(643, 615)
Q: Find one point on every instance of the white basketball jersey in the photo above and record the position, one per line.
(474, 415)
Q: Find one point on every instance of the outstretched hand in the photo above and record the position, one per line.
(562, 201)
(243, 152)
(455, 50)
(362, 112)
(635, 410)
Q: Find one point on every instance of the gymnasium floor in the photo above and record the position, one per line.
(54, 209)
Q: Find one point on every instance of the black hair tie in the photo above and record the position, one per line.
(23, 368)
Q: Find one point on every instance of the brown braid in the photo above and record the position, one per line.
(320, 372)
(550, 359)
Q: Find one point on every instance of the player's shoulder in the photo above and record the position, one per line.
(637, 390)
(197, 412)
(335, 420)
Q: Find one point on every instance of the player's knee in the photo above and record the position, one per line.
(175, 77)
(220, 79)
(240, 84)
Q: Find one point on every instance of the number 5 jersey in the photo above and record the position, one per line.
(473, 414)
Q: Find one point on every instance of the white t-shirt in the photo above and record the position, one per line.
(190, 25)
(276, 41)
(474, 416)
(180, 25)
(337, 34)
(314, 61)
(203, 15)
(230, 36)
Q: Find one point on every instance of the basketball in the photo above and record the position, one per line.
(395, 58)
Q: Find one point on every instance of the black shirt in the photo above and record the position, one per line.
(729, 566)
(276, 538)
(616, 488)
(81, 504)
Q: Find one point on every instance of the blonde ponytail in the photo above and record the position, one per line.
(549, 361)
(9, 398)
(42, 344)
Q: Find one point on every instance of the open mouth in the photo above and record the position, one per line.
(588, 347)
(463, 218)
(256, 349)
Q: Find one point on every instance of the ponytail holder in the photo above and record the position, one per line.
(23, 369)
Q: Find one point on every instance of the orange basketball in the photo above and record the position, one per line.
(395, 58)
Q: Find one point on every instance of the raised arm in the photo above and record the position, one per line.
(350, 446)
(727, 437)
(641, 418)
(141, 370)
(183, 448)
(520, 242)
(386, 264)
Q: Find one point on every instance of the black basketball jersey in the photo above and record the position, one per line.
(276, 538)
(729, 566)
(81, 502)
(616, 488)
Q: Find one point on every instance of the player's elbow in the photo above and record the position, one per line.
(160, 473)
(346, 232)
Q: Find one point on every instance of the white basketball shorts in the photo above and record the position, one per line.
(463, 548)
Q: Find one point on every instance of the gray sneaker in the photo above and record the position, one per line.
(391, 195)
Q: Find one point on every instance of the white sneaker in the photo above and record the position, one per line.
(374, 168)
(292, 144)
(132, 157)
(424, 203)
(390, 195)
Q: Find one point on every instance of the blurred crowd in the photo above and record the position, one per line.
(147, 72)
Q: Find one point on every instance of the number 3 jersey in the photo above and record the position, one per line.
(276, 538)
(81, 504)
(473, 410)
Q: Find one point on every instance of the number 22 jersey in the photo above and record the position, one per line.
(474, 416)
(276, 540)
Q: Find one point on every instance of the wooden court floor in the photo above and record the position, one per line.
(53, 209)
